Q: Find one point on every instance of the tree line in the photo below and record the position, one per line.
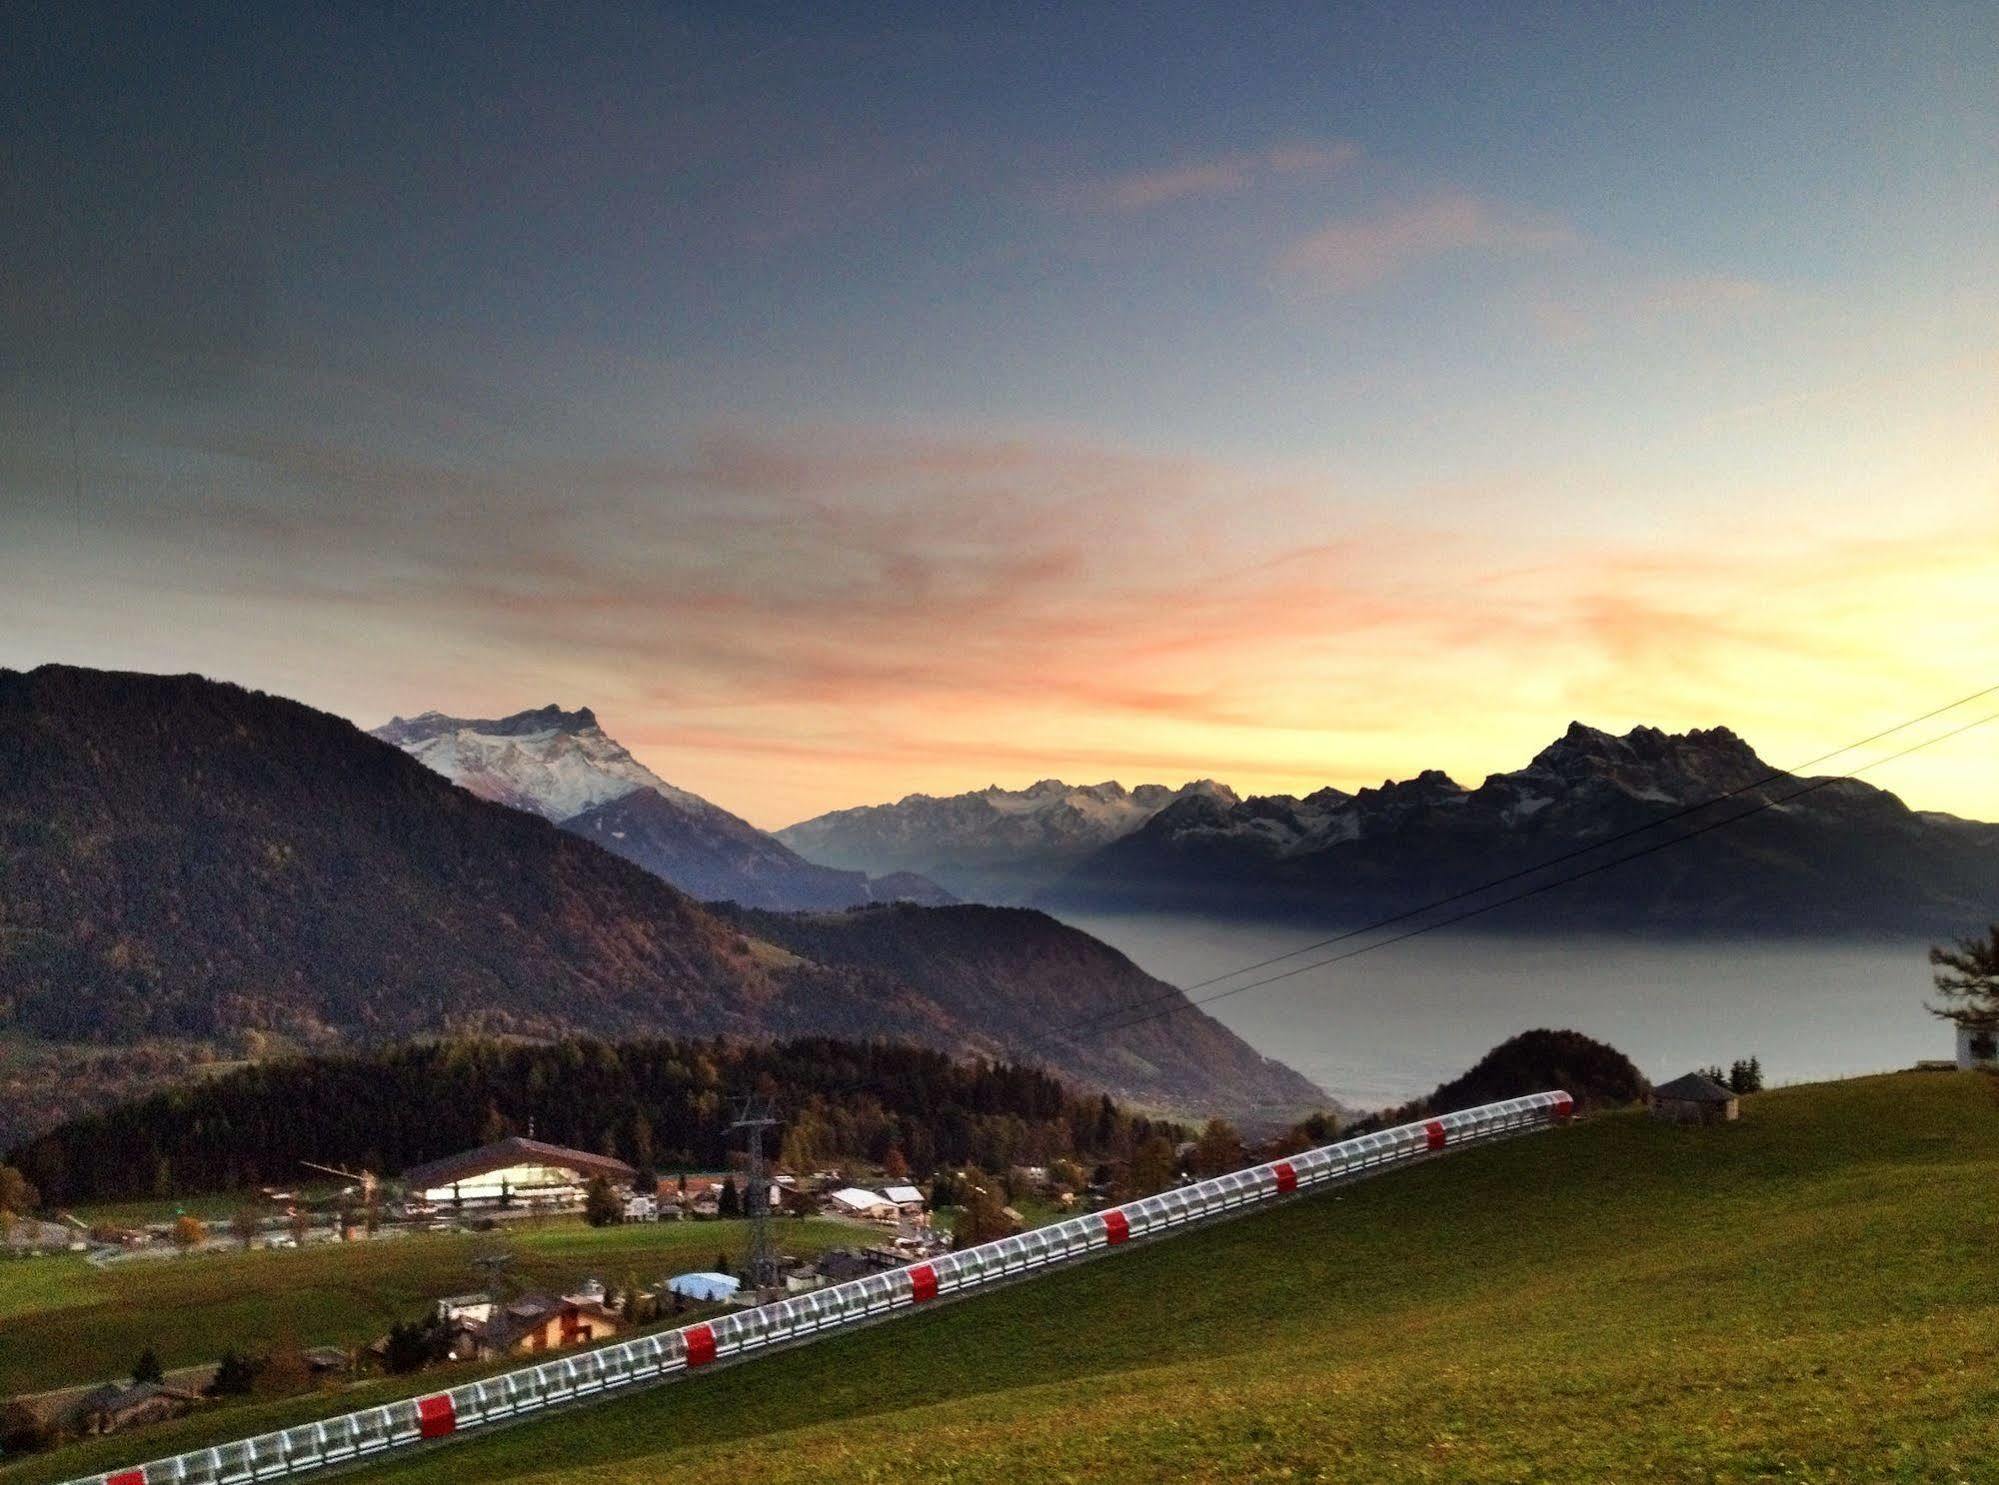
(662, 1104)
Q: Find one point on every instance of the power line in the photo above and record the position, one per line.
(1181, 998)
(1579, 851)
(1191, 1003)
(1175, 995)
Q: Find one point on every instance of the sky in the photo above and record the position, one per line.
(911, 399)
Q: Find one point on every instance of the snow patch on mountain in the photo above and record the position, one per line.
(995, 844)
(554, 763)
(564, 767)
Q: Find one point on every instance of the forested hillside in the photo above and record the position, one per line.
(183, 861)
(1031, 980)
(660, 1104)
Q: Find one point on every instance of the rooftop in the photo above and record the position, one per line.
(1694, 1087)
(514, 1150)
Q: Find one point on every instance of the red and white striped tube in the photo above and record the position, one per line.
(652, 1358)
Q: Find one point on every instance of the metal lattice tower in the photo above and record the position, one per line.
(760, 1265)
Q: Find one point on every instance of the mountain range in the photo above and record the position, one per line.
(185, 864)
(1842, 858)
(562, 766)
(993, 845)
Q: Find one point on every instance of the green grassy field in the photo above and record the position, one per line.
(1811, 1294)
(64, 1322)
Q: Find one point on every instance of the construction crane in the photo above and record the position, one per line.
(367, 1180)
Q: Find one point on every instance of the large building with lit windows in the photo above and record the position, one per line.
(512, 1172)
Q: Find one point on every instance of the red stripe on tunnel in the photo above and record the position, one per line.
(436, 1416)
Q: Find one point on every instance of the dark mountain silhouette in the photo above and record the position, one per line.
(185, 862)
(1847, 859)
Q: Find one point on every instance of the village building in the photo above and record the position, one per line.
(512, 1171)
(1694, 1098)
(914, 1242)
(909, 1203)
(120, 1405)
(1977, 1045)
(701, 1196)
(530, 1325)
(868, 1206)
(476, 1307)
(705, 1287)
(837, 1265)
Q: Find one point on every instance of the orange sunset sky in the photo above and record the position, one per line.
(850, 407)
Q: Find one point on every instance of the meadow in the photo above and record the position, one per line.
(63, 1321)
(1812, 1293)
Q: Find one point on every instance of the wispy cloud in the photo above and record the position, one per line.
(1222, 175)
(1574, 311)
(791, 618)
(1358, 252)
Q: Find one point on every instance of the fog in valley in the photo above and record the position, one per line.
(1388, 1026)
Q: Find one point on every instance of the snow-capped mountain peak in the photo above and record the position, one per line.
(994, 843)
(564, 767)
(554, 763)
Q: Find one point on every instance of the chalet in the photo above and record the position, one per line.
(512, 1171)
(532, 1324)
(1694, 1098)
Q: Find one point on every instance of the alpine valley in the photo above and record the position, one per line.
(193, 873)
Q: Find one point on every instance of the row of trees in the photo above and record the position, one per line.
(658, 1103)
(1744, 1075)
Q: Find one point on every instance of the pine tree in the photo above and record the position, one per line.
(235, 1376)
(147, 1367)
(1967, 978)
(1152, 1167)
(601, 1206)
(1219, 1149)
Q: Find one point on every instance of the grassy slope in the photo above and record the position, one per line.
(63, 1322)
(1812, 1293)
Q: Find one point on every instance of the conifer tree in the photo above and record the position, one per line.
(1967, 978)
